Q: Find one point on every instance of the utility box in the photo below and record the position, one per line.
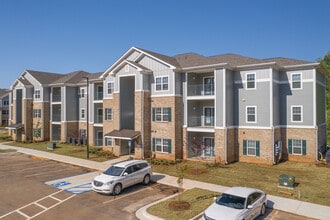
(51, 145)
(286, 180)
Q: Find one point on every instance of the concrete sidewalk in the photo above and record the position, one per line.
(284, 204)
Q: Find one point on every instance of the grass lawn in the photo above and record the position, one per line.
(69, 150)
(312, 180)
(199, 200)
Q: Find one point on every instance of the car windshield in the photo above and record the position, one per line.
(114, 171)
(232, 201)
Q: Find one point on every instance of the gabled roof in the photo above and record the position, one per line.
(44, 78)
(282, 61)
(71, 78)
(4, 92)
(170, 60)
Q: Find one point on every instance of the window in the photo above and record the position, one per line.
(5, 112)
(82, 93)
(251, 148)
(108, 141)
(161, 114)
(297, 147)
(82, 133)
(296, 81)
(36, 113)
(37, 94)
(5, 102)
(296, 113)
(82, 113)
(111, 86)
(250, 80)
(108, 114)
(161, 145)
(162, 83)
(251, 112)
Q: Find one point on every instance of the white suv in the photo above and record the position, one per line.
(122, 175)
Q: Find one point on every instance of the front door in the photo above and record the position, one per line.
(208, 116)
(209, 146)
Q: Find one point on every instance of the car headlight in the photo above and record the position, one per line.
(108, 183)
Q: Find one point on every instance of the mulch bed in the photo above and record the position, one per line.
(179, 205)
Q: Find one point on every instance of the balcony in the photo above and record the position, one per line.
(98, 96)
(56, 117)
(56, 98)
(200, 90)
(201, 121)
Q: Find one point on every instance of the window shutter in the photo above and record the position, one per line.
(257, 148)
(304, 147)
(105, 114)
(153, 144)
(169, 141)
(290, 146)
(169, 114)
(244, 147)
(153, 114)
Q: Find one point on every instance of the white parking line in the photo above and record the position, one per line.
(19, 210)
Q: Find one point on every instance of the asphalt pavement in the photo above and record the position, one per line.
(275, 202)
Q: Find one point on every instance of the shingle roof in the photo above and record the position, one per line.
(45, 78)
(4, 92)
(286, 61)
(170, 60)
(72, 78)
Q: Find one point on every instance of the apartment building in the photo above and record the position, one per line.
(4, 107)
(226, 108)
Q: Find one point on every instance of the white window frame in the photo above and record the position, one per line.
(5, 102)
(247, 114)
(160, 115)
(299, 147)
(108, 141)
(112, 88)
(36, 113)
(37, 94)
(254, 81)
(161, 84)
(82, 93)
(83, 113)
(108, 115)
(293, 81)
(301, 113)
(204, 85)
(160, 143)
(251, 145)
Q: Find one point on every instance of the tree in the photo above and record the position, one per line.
(37, 131)
(325, 62)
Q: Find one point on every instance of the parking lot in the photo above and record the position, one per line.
(35, 188)
(42, 189)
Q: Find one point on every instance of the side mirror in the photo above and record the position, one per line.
(250, 207)
(125, 174)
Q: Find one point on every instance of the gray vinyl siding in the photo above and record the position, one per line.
(229, 98)
(28, 93)
(83, 103)
(219, 92)
(133, 56)
(320, 98)
(276, 98)
(184, 98)
(301, 97)
(259, 97)
(178, 84)
(46, 94)
(71, 104)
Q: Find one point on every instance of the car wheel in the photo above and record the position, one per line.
(146, 179)
(263, 209)
(117, 189)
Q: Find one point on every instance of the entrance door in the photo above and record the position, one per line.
(208, 116)
(99, 138)
(209, 86)
(209, 146)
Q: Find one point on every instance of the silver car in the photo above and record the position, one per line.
(122, 175)
(237, 203)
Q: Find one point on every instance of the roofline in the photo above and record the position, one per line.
(257, 65)
(110, 69)
(212, 66)
(301, 65)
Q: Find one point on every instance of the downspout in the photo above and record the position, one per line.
(273, 145)
(142, 123)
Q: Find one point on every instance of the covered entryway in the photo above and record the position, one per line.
(17, 129)
(123, 141)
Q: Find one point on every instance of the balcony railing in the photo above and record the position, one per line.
(201, 121)
(56, 98)
(98, 142)
(98, 96)
(56, 117)
(200, 90)
(99, 119)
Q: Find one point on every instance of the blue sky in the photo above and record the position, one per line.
(62, 36)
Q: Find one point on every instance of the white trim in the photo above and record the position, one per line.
(168, 85)
(301, 113)
(224, 100)
(301, 82)
(107, 84)
(63, 104)
(246, 114)
(208, 77)
(82, 109)
(271, 98)
(314, 99)
(246, 81)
